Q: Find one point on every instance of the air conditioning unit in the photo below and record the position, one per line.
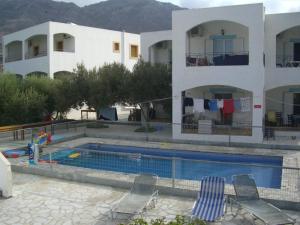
(197, 31)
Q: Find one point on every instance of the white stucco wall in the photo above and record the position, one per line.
(148, 39)
(250, 78)
(5, 177)
(92, 46)
(275, 24)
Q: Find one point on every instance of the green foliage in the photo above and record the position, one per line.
(179, 220)
(35, 97)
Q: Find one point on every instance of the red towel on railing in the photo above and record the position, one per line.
(228, 107)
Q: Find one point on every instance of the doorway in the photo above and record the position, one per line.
(297, 51)
(296, 103)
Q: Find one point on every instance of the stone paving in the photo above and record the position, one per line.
(39, 200)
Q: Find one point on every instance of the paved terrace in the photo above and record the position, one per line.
(38, 200)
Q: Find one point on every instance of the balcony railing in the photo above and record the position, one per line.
(12, 58)
(287, 61)
(32, 55)
(217, 59)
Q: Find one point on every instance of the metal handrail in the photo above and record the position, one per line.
(210, 58)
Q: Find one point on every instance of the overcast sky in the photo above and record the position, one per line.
(272, 6)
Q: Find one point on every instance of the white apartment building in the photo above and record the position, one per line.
(53, 47)
(236, 56)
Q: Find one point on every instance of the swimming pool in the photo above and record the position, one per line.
(188, 165)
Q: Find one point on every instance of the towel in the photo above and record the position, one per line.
(198, 105)
(228, 106)
(188, 102)
(237, 105)
(245, 104)
(213, 105)
(220, 103)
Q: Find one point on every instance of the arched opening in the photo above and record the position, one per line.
(217, 109)
(63, 42)
(288, 48)
(37, 74)
(217, 43)
(36, 46)
(283, 106)
(161, 52)
(13, 51)
(63, 75)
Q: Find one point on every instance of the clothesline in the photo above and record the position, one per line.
(227, 105)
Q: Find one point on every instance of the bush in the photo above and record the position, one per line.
(179, 220)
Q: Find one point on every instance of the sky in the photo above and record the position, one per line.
(272, 6)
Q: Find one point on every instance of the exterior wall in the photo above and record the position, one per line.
(151, 38)
(203, 44)
(250, 78)
(277, 76)
(92, 46)
(23, 66)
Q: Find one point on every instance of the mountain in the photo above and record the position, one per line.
(134, 16)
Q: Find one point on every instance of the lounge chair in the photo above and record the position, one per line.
(247, 197)
(210, 203)
(142, 194)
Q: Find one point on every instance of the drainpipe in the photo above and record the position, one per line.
(123, 47)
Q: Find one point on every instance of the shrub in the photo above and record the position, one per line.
(179, 220)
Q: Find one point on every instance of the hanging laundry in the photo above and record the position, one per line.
(188, 102)
(245, 104)
(188, 110)
(198, 105)
(220, 103)
(237, 105)
(228, 106)
(206, 104)
(213, 105)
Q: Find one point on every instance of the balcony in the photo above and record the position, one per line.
(288, 48)
(31, 55)
(13, 51)
(287, 61)
(217, 43)
(36, 46)
(161, 52)
(217, 59)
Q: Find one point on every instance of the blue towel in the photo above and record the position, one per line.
(213, 106)
(237, 105)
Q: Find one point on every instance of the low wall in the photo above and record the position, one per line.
(5, 177)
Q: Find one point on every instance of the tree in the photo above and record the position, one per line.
(149, 82)
(108, 86)
(44, 86)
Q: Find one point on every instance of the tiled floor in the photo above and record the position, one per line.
(39, 200)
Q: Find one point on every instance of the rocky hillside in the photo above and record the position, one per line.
(131, 15)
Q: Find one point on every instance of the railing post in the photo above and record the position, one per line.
(173, 171)
(229, 137)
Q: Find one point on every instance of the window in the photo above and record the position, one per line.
(224, 46)
(134, 51)
(59, 46)
(116, 47)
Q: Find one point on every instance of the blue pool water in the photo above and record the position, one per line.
(188, 165)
